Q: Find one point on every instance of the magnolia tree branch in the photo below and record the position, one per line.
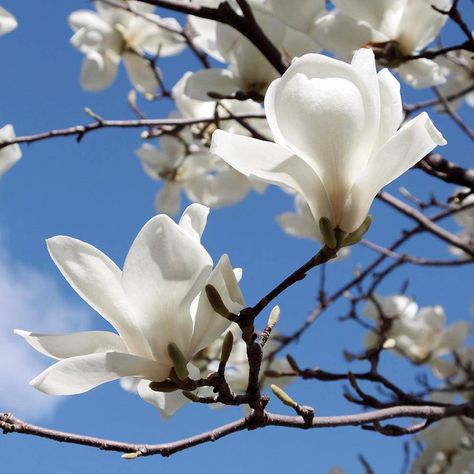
(167, 125)
(224, 13)
(10, 424)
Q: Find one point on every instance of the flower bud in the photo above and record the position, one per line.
(283, 396)
(274, 316)
(179, 361)
(216, 301)
(227, 345)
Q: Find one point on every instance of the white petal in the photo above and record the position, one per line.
(397, 306)
(153, 160)
(97, 280)
(164, 271)
(83, 373)
(10, 154)
(408, 146)
(341, 34)
(208, 325)
(422, 73)
(62, 346)
(454, 337)
(140, 72)
(297, 225)
(98, 71)
(194, 220)
(391, 108)
(7, 22)
(201, 82)
(168, 199)
(274, 164)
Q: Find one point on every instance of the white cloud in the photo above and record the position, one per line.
(30, 300)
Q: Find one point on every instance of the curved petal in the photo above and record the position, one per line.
(62, 346)
(274, 164)
(341, 34)
(153, 160)
(297, 225)
(200, 83)
(164, 271)
(408, 146)
(208, 325)
(83, 373)
(454, 337)
(140, 72)
(391, 108)
(168, 199)
(194, 220)
(98, 71)
(10, 154)
(97, 280)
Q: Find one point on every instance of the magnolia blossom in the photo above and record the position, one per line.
(7, 22)
(301, 224)
(448, 448)
(417, 333)
(248, 71)
(394, 28)
(459, 67)
(112, 34)
(337, 140)
(203, 176)
(157, 299)
(10, 154)
(466, 220)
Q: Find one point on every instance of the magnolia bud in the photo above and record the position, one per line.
(283, 396)
(179, 361)
(164, 386)
(274, 316)
(216, 301)
(227, 345)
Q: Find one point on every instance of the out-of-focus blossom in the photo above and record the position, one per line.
(393, 28)
(9, 155)
(191, 169)
(417, 333)
(337, 139)
(449, 448)
(7, 22)
(157, 300)
(249, 71)
(112, 34)
(466, 220)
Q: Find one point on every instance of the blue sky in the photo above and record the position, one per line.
(96, 191)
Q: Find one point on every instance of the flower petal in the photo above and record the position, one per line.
(97, 280)
(273, 164)
(200, 83)
(164, 271)
(208, 325)
(7, 21)
(168, 199)
(62, 346)
(98, 71)
(140, 72)
(83, 373)
(408, 146)
(421, 73)
(194, 220)
(10, 154)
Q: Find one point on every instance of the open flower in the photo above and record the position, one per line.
(112, 34)
(10, 154)
(337, 140)
(249, 71)
(203, 176)
(395, 29)
(417, 333)
(7, 22)
(157, 300)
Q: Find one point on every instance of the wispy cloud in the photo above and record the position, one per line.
(29, 300)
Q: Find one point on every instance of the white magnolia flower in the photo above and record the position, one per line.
(10, 154)
(7, 22)
(337, 140)
(301, 224)
(466, 220)
(112, 34)
(396, 28)
(249, 71)
(459, 67)
(448, 448)
(201, 175)
(417, 333)
(157, 299)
